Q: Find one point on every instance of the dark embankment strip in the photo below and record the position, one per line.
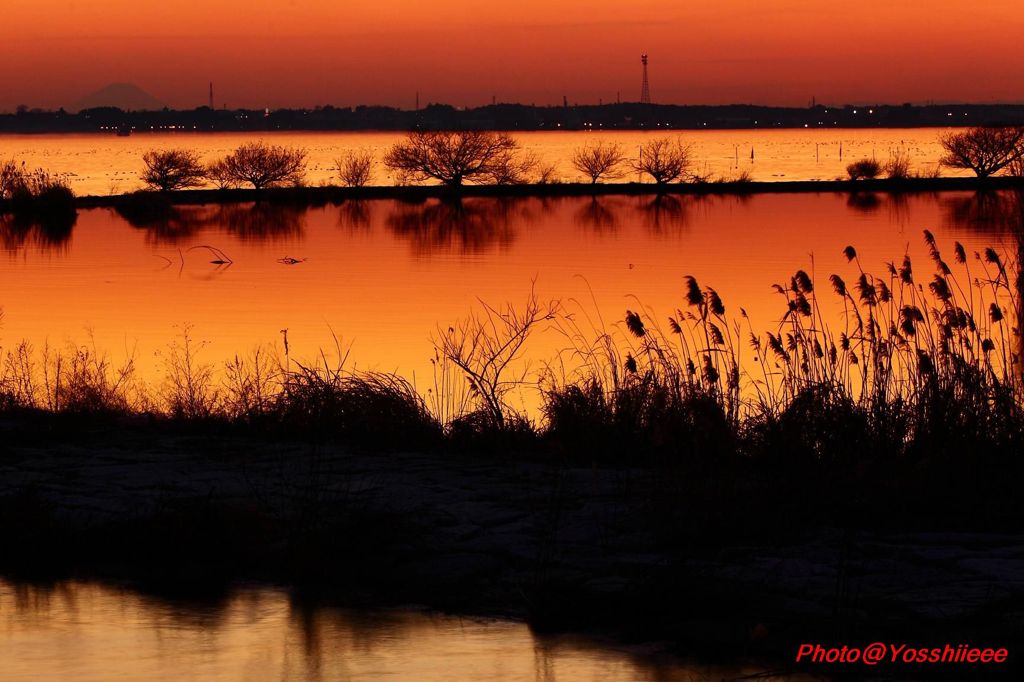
(422, 193)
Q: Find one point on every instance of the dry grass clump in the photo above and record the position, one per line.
(37, 197)
(76, 380)
(898, 165)
(865, 169)
(894, 367)
(372, 410)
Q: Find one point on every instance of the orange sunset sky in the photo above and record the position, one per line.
(291, 53)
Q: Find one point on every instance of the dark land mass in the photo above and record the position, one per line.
(625, 116)
(741, 564)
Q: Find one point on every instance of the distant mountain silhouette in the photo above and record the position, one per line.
(121, 95)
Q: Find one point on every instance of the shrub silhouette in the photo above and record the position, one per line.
(355, 169)
(865, 169)
(664, 159)
(599, 161)
(173, 169)
(986, 151)
(898, 165)
(262, 165)
(454, 157)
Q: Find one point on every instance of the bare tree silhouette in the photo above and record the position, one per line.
(173, 169)
(263, 165)
(514, 168)
(985, 151)
(355, 169)
(664, 159)
(597, 161)
(219, 174)
(456, 157)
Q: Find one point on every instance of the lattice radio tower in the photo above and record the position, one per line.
(645, 89)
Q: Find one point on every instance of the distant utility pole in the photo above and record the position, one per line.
(417, 100)
(211, 94)
(645, 88)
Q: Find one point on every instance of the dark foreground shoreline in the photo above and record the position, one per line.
(422, 193)
(189, 511)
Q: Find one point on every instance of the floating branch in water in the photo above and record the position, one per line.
(220, 258)
(288, 260)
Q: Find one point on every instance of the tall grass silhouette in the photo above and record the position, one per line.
(921, 361)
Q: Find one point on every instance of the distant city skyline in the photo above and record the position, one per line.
(305, 53)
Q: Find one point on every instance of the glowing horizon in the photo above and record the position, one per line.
(313, 52)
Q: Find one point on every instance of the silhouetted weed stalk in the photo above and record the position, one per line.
(912, 361)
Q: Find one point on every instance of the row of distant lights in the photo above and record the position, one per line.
(152, 127)
(585, 125)
(806, 125)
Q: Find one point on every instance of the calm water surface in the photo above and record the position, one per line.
(106, 164)
(382, 275)
(89, 633)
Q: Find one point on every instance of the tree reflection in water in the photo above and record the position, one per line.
(355, 215)
(598, 215)
(262, 221)
(472, 225)
(173, 225)
(999, 212)
(667, 214)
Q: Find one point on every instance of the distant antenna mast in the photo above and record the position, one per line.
(645, 89)
(211, 94)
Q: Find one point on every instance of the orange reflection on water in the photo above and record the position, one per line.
(382, 275)
(92, 633)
